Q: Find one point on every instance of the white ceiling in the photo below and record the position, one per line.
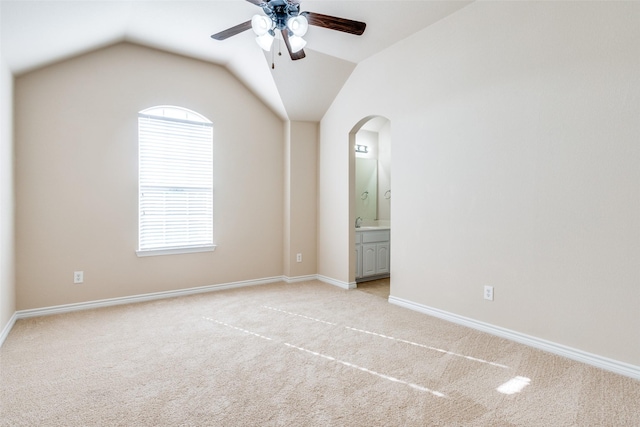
(36, 33)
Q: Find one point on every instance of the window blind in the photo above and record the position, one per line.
(175, 182)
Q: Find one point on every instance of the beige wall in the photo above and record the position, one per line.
(384, 172)
(514, 132)
(335, 198)
(76, 177)
(300, 198)
(7, 271)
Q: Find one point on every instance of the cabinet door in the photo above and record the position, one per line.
(358, 261)
(382, 255)
(369, 257)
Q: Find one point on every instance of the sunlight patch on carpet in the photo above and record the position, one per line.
(333, 359)
(369, 371)
(300, 315)
(239, 329)
(514, 385)
(475, 359)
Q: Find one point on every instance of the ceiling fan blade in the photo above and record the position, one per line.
(257, 2)
(222, 35)
(335, 23)
(294, 55)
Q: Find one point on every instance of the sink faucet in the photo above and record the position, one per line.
(358, 222)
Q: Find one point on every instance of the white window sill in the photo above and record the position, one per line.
(176, 251)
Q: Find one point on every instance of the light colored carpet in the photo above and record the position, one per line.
(378, 287)
(304, 354)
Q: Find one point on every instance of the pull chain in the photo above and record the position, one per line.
(273, 64)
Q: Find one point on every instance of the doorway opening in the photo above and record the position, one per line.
(370, 199)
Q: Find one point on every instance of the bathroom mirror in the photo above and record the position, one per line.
(367, 189)
(373, 172)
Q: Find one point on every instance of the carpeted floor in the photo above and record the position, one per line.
(378, 287)
(304, 354)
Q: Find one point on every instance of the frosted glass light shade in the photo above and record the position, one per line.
(298, 25)
(297, 43)
(261, 24)
(265, 41)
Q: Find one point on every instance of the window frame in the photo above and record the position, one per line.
(175, 114)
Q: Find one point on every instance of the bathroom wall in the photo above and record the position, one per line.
(378, 143)
(384, 173)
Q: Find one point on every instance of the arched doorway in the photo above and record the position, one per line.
(370, 199)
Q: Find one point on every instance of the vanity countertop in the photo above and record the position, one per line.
(379, 227)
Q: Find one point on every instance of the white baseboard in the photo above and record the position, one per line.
(338, 283)
(618, 367)
(23, 314)
(66, 308)
(325, 279)
(298, 279)
(7, 328)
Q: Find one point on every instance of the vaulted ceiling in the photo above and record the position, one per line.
(37, 33)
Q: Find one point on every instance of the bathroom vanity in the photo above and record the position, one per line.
(373, 246)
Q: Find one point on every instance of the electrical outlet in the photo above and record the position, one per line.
(78, 276)
(298, 257)
(488, 293)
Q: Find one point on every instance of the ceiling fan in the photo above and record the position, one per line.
(285, 16)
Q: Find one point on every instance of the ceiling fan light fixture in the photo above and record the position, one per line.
(284, 16)
(297, 43)
(298, 25)
(261, 24)
(265, 41)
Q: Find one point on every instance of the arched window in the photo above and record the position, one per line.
(175, 155)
